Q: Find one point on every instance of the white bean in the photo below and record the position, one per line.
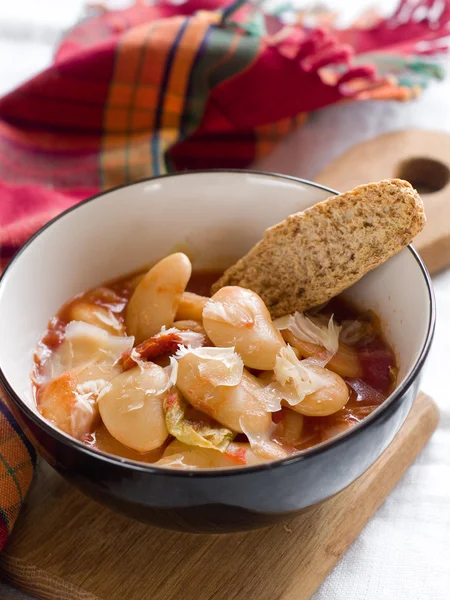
(155, 300)
(237, 317)
(242, 454)
(181, 456)
(191, 307)
(328, 399)
(96, 315)
(291, 427)
(345, 362)
(85, 345)
(226, 404)
(132, 407)
(59, 402)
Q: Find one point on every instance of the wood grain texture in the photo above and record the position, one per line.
(383, 157)
(67, 547)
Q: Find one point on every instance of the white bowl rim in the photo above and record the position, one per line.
(376, 415)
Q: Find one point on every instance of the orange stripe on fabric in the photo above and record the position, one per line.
(128, 58)
(11, 490)
(12, 449)
(125, 156)
(129, 53)
(23, 472)
(185, 56)
(139, 162)
(158, 50)
(178, 83)
(152, 71)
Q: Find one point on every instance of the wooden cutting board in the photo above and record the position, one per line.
(67, 547)
(419, 156)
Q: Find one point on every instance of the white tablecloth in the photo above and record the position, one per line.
(404, 551)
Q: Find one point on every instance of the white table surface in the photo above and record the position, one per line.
(404, 551)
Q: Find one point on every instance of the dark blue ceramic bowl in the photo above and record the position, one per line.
(216, 217)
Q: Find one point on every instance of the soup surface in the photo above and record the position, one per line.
(149, 368)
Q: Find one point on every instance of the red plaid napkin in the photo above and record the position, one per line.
(202, 84)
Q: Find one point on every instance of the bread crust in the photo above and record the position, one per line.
(314, 255)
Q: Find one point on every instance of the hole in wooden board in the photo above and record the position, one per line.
(425, 174)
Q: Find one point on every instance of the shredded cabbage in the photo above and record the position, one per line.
(191, 339)
(306, 330)
(193, 434)
(172, 373)
(296, 379)
(356, 330)
(91, 388)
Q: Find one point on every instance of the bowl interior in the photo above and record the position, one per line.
(215, 218)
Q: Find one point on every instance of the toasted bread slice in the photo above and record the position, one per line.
(314, 255)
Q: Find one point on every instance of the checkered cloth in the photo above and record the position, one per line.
(202, 84)
(17, 463)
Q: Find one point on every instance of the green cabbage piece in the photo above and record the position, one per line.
(191, 432)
